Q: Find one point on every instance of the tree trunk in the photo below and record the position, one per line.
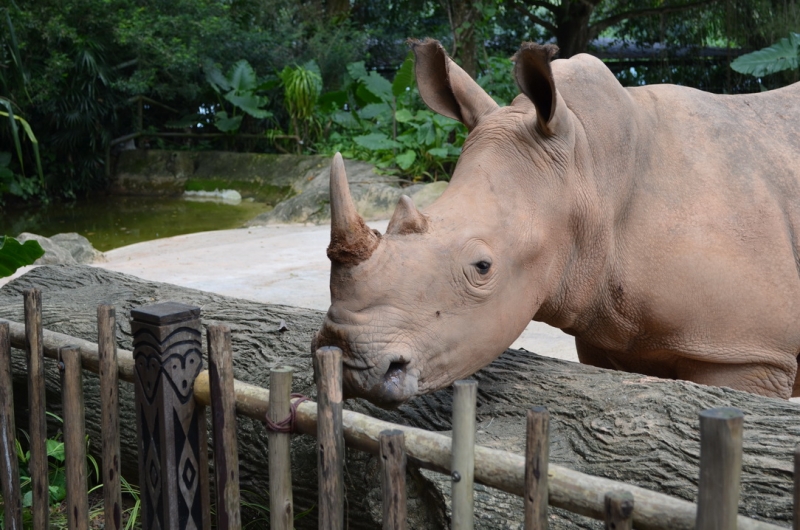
(572, 27)
(463, 16)
(627, 427)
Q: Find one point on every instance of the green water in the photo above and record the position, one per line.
(114, 221)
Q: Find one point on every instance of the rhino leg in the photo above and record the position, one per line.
(758, 378)
(593, 356)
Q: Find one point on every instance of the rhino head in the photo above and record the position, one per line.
(446, 290)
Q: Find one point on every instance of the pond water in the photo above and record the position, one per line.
(111, 221)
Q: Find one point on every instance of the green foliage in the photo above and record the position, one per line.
(387, 124)
(56, 477)
(242, 90)
(11, 182)
(301, 88)
(783, 55)
(14, 254)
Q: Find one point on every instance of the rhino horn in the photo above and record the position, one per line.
(352, 241)
(407, 219)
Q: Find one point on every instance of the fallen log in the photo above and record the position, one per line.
(620, 426)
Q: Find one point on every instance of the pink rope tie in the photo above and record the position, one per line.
(289, 423)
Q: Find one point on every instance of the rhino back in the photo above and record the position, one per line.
(703, 194)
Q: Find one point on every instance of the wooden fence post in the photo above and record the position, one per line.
(330, 437)
(223, 422)
(109, 415)
(393, 479)
(537, 455)
(173, 464)
(9, 467)
(69, 364)
(796, 518)
(465, 394)
(619, 510)
(281, 512)
(37, 418)
(720, 468)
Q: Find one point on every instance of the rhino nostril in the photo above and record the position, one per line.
(396, 369)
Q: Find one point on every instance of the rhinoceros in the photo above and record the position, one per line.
(658, 225)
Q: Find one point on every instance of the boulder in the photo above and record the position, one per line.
(64, 249)
(81, 248)
(375, 196)
(626, 427)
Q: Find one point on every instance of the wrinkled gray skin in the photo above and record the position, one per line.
(659, 225)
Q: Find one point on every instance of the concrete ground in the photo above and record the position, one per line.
(275, 264)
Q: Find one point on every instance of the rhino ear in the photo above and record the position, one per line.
(407, 219)
(446, 88)
(535, 78)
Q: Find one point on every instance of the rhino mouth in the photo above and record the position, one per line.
(388, 384)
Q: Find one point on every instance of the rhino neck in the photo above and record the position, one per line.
(587, 260)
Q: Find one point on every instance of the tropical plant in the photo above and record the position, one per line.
(242, 90)
(783, 55)
(386, 123)
(14, 254)
(302, 85)
(9, 182)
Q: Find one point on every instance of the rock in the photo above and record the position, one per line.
(627, 427)
(54, 254)
(81, 248)
(64, 249)
(375, 196)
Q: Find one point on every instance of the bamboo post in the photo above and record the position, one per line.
(720, 468)
(330, 438)
(462, 468)
(537, 455)
(281, 513)
(37, 419)
(796, 519)
(393, 479)
(9, 467)
(109, 415)
(619, 510)
(69, 364)
(223, 421)
(171, 428)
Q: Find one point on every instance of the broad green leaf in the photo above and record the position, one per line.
(376, 142)
(249, 103)
(336, 99)
(243, 77)
(403, 115)
(27, 499)
(378, 85)
(345, 119)
(783, 55)
(357, 70)
(55, 449)
(226, 124)
(438, 152)
(14, 255)
(216, 79)
(365, 96)
(404, 78)
(374, 110)
(5, 158)
(405, 160)
(426, 135)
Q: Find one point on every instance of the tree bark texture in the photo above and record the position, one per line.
(627, 427)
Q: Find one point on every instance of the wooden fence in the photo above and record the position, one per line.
(173, 391)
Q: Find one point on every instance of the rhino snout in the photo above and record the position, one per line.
(389, 387)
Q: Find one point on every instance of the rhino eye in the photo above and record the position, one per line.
(483, 267)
